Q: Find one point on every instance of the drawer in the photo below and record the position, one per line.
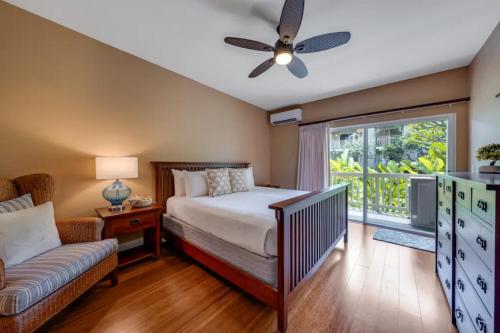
(132, 223)
(448, 189)
(444, 208)
(445, 276)
(463, 195)
(474, 306)
(440, 194)
(464, 321)
(440, 185)
(477, 235)
(444, 245)
(444, 226)
(478, 274)
(483, 205)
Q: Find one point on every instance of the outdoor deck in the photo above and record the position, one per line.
(388, 198)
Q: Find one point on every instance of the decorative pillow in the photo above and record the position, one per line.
(238, 179)
(195, 183)
(218, 182)
(27, 233)
(249, 175)
(22, 202)
(179, 186)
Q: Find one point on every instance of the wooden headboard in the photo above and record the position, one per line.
(164, 179)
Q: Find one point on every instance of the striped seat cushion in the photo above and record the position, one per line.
(16, 204)
(35, 279)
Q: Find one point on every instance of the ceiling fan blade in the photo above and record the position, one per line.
(297, 68)
(323, 42)
(291, 18)
(262, 68)
(248, 44)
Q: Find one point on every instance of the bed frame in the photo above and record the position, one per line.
(309, 228)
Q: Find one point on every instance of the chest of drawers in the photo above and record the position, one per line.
(467, 253)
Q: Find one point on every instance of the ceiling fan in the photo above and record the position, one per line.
(284, 49)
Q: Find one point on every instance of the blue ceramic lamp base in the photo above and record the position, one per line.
(116, 193)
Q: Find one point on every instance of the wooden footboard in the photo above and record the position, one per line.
(309, 228)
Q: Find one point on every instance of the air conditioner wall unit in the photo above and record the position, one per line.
(286, 117)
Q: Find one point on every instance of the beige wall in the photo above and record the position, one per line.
(447, 85)
(485, 85)
(65, 98)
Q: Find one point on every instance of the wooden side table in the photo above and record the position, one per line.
(133, 220)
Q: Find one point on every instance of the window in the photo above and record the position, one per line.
(380, 159)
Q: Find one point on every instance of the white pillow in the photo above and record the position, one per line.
(179, 187)
(196, 183)
(249, 176)
(27, 233)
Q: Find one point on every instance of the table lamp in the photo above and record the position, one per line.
(116, 167)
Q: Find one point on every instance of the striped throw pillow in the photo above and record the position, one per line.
(19, 203)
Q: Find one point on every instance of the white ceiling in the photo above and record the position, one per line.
(392, 40)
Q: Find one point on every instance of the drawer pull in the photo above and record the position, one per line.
(447, 284)
(481, 242)
(483, 205)
(480, 323)
(448, 235)
(461, 223)
(440, 203)
(482, 283)
(448, 211)
(440, 223)
(448, 260)
(461, 195)
(460, 285)
(461, 254)
(439, 264)
(459, 315)
(440, 244)
(448, 188)
(135, 222)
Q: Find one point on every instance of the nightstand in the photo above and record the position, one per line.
(130, 221)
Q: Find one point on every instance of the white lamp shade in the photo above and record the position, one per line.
(116, 167)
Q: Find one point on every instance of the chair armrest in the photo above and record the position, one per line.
(80, 230)
(2, 275)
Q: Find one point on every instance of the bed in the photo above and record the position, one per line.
(266, 241)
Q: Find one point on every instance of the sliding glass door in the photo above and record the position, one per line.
(380, 161)
(347, 166)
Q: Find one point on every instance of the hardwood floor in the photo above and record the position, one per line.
(366, 286)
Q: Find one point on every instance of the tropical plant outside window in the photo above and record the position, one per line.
(395, 154)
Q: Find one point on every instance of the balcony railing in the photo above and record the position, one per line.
(387, 193)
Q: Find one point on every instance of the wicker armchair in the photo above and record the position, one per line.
(73, 233)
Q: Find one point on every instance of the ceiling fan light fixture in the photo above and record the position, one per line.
(283, 58)
(283, 53)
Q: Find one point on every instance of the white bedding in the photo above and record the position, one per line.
(242, 218)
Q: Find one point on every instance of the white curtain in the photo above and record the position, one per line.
(313, 171)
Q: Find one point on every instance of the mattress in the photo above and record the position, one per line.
(242, 218)
(262, 268)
